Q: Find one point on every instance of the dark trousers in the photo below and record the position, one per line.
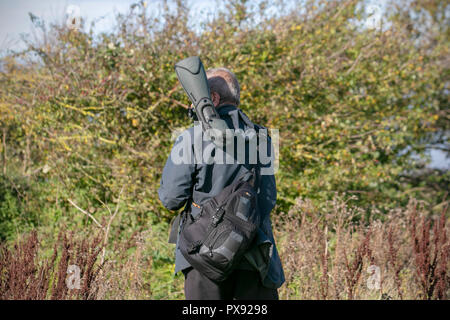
(240, 285)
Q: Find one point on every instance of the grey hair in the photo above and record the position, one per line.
(225, 83)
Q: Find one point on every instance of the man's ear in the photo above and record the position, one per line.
(215, 97)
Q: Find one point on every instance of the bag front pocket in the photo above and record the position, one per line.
(223, 250)
(194, 231)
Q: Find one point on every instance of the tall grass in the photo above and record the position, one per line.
(332, 252)
(337, 252)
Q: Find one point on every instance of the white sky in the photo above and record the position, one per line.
(14, 18)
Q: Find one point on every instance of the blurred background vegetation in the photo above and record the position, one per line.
(86, 119)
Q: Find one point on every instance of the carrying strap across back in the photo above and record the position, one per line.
(246, 120)
(255, 171)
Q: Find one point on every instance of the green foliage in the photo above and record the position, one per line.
(95, 114)
(9, 213)
(16, 214)
(346, 99)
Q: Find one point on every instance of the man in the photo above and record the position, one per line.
(191, 183)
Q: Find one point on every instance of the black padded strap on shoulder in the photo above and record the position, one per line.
(255, 171)
(246, 120)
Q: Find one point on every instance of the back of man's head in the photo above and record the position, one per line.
(223, 82)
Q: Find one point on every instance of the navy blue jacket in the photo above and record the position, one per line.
(184, 181)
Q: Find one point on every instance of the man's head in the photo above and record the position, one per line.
(224, 87)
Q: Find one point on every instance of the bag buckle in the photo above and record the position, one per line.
(217, 216)
(194, 247)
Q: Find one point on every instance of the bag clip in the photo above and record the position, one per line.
(217, 216)
(194, 246)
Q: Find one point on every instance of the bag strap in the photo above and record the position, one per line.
(174, 225)
(246, 120)
(255, 171)
(179, 220)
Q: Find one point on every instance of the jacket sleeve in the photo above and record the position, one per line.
(178, 174)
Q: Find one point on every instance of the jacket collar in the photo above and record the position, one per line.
(225, 109)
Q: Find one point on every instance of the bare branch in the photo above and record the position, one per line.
(86, 213)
